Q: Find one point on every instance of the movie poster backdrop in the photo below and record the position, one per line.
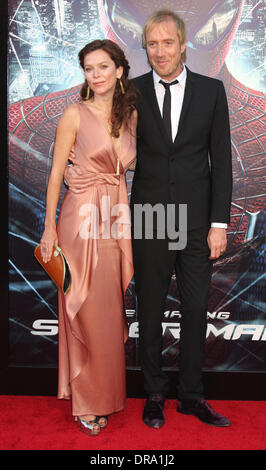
(225, 40)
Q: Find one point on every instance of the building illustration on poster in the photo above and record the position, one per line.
(226, 40)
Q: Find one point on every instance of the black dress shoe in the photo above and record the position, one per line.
(153, 414)
(203, 411)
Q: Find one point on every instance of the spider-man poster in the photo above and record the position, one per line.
(225, 40)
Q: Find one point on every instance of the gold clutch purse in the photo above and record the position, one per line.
(57, 268)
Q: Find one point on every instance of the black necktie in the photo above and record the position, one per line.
(167, 106)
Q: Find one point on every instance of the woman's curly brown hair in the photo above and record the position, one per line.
(123, 104)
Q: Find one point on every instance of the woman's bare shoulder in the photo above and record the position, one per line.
(135, 115)
(71, 111)
(70, 116)
(134, 120)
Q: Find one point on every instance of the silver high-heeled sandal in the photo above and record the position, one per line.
(90, 428)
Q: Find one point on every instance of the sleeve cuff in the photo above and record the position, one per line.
(218, 225)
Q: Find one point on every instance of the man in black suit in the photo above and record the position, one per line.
(183, 157)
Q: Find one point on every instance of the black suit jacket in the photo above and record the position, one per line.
(195, 169)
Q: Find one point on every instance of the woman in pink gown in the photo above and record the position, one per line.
(93, 230)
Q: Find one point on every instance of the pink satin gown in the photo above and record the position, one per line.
(92, 322)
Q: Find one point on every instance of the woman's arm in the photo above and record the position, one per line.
(65, 138)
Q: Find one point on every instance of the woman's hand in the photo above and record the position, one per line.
(48, 241)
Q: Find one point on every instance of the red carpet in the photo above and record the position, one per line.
(42, 423)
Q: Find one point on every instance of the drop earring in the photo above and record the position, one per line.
(88, 93)
(122, 87)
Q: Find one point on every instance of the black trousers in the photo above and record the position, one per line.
(153, 265)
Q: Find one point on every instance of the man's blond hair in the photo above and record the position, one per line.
(165, 15)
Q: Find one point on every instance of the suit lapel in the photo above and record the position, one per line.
(186, 102)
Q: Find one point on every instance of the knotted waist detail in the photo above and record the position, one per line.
(96, 187)
(78, 182)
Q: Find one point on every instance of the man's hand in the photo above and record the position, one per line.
(217, 242)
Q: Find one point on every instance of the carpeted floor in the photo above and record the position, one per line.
(45, 423)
